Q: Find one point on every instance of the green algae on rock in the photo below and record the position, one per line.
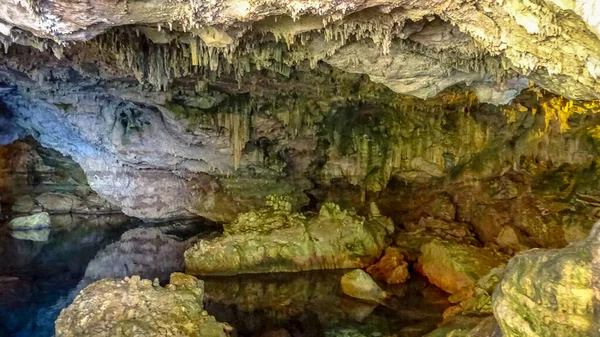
(549, 293)
(136, 307)
(274, 239)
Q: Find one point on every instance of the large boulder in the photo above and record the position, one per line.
(455, 267)
(136, 307)
(35, 221)
(275, 239)
(549, 293)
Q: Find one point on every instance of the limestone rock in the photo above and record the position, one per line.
(134, 307)
(549, 292)
(277, 240)
(35, 221)
(454, 267)
(359, 284)
(391, 268)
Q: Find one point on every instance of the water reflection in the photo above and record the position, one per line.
(39, 278)
(41, 234)
(312, 304)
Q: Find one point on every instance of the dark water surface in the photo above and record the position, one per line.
(39, 278)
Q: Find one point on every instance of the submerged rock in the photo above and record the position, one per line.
(549, 293)
(134, 307)
(35, 221)
(391, 268)
(454, 267)
(359, 284)
(275, 239)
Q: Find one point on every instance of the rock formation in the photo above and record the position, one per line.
(275, 239)
(32, 222)
(550, 292)
(133, 306)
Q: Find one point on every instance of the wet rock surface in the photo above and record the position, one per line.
(31, 222)
(359, 284)
(275, 239)
(135, 307)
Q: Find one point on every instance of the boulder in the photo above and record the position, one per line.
(391, 268)
(359, 284)
(35, 221)
(454, 266)
(549, 293)
(275, 239)
(136, 307)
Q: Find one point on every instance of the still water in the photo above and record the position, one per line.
(39, 278)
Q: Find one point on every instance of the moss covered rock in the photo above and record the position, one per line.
(274, 239)
(548, 293)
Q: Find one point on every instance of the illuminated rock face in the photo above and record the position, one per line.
(550, 292)
(276, 240)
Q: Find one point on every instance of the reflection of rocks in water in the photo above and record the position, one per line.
(310, 302)
(35, 221)
(148, 251)
(37, 278)
(32, 234)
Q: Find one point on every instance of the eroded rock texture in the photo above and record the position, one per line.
(136, 307)
(550, 292)
(275, 239)
(37, 179)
